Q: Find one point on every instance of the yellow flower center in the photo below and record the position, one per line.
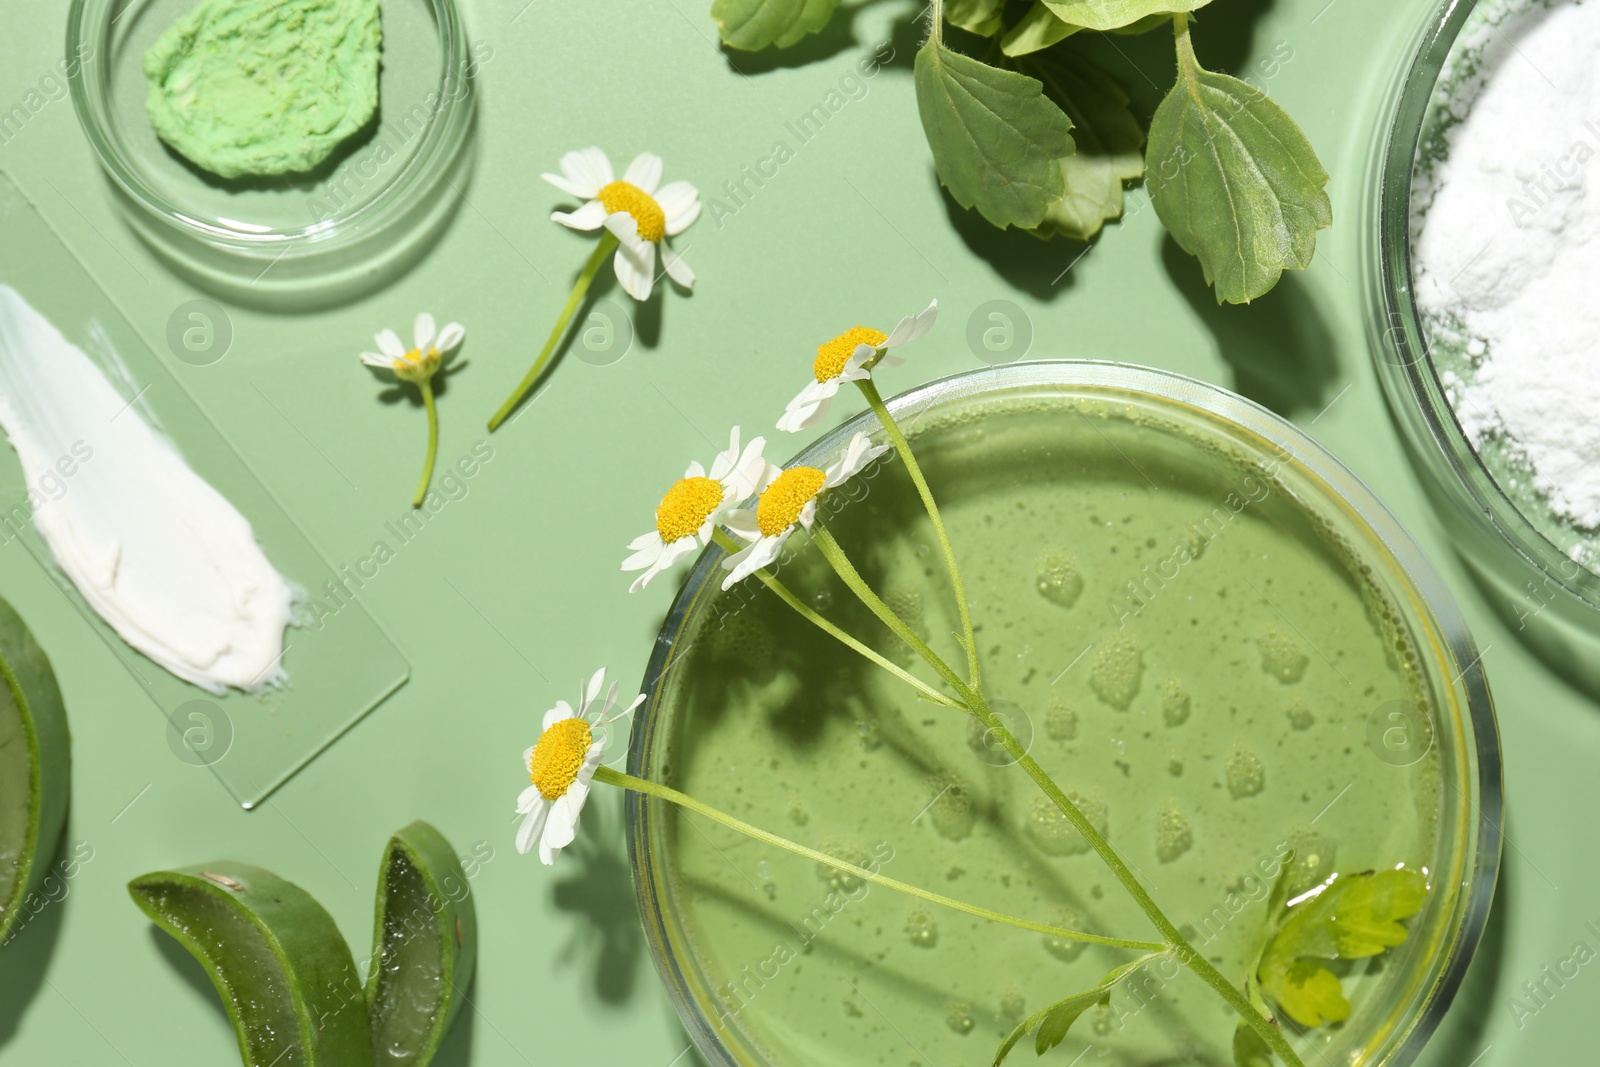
(416, 365)
(558, 757)
(833, 355)
(781, 502)
(686, 507)
(625, 196)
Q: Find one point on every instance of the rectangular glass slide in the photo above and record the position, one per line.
(338, 669)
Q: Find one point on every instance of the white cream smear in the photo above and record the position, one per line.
(158, 553)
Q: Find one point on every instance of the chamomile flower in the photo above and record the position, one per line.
(850, 357)
(561, 765)
(788, 500)
(640, 215)
(430, 350)
(688, 512)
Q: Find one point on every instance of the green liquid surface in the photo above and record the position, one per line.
(1184, 645)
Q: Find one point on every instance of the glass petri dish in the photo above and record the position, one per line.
(1519, 551)
(341, 226)
(1213, 687)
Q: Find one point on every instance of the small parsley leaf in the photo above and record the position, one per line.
(1050, 1024)
(1354, 917)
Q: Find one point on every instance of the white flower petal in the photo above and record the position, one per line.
(742, 524)
(752, 558)
(808, 513)
(580, 189)
(677, 269)
(389, 344)
(588, 168)
(645, 557)
(562, 710)
(725, 460)
(597, 682)
(373, 359)
(680, 202)
(746, 477)
(533, 824)
(590, 216)
(636, 270)
(644, 171)
(679, 549)
(562, 825)
(807, 409)
(450, 337)
(422, 332)
(626, 229)
(858, 455)
(694, 470)
(912, 327)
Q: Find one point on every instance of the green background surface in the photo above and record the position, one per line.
(511, 593)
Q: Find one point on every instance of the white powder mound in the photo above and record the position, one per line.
(1506, 242)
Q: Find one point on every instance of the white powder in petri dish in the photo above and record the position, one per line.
(1506, 244)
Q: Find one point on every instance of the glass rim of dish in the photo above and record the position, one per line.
(91, 24)
(1399, 339)
(1474, 765)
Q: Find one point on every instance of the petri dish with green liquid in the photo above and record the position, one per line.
(1198, 622)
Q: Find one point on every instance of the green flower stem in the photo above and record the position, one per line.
(683, 800)
(608, 244)
(784, 594)
(858, 585)
(1186, 953)
(426, 385)
(936, 21)
(879, 408)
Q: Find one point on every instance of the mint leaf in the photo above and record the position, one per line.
(1054, 1020)
(1038, 28)
(1234, 180)
(1144, 25)
(1108, 140)
(995, 137)
(1115, 14)
(975, 16)
(1309, 994)
(750, 25)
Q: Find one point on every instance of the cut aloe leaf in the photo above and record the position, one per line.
(35, 769)
(278, 961)
(425, 941)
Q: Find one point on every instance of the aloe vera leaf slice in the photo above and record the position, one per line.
(424, 944)
(282, 968)
(35, 769)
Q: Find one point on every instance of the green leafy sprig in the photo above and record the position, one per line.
(1037, 137)
(1354, 917)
